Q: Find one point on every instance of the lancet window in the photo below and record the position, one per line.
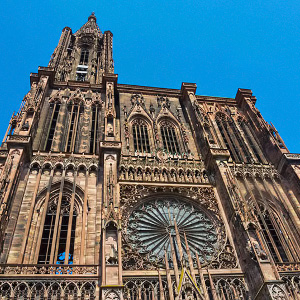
(94, 128)
(57, 244)
(72, 136)
(251, 142)
(274, 235)
(54, 111)
(140, 136)
(84, 57)
(169, 137)
(233, 139)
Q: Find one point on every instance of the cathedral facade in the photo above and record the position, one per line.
(124, 192)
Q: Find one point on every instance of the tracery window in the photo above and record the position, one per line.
(140, 136)
(57, 244)
(233, 139)
(54, 111)
(169, 137)
(274, 235)
(151, 229)
(72, 133)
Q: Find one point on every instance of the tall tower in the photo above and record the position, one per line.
(124, 192)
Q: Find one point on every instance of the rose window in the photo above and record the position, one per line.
(151, 225)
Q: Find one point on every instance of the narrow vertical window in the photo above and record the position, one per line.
(232, 139)
(46, 243)
(62, 242)
(252, 143)
(84, 57)
(169, 137)
(273, 236)
(54, 115)
(74, 114)
(140, 136)
(240, 142)
(94, 129)
(81, 71)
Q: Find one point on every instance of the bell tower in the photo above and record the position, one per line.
(85, 55)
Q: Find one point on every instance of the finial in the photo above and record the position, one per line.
(92, 16)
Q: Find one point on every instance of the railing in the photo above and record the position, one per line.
(44, 270)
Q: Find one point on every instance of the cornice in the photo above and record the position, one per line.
(126, 88)
(219, 100)
(146, 90)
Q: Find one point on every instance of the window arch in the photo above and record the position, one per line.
(251, 141)
(274, 233)
(72, 136)
(170, 137)
(57, 244)
(140, 135)
(233, 139)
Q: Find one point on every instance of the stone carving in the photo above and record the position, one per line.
(130, 195)
(48, 289)
(137, 99)
(277, 292)
(40, 270)
(163, 101)
(162, 168)
(65, 160)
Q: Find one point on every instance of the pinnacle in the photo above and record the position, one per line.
(92, 16)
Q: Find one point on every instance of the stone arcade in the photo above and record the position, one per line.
(126, 192)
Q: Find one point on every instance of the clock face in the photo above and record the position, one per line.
(151, 228)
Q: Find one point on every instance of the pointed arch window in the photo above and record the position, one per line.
(169, 137)
(72, 137)
(251, 141)
(273, 233)
(54, 111)
(233, 139)
(57, 244)
(140, 136)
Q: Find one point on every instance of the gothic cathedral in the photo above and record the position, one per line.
(124, 192)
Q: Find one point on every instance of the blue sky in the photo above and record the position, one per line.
(220, 45)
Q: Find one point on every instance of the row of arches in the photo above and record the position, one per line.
(139, 173)
(48, 290)
(226, 289)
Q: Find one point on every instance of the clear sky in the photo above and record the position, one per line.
(220, 45)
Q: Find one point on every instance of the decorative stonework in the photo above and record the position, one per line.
(162, 169)
(151, 224)
(66, 161)
(133, 195)
(48, 289)
(44, 270)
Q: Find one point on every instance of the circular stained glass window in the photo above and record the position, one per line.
(151, 228)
